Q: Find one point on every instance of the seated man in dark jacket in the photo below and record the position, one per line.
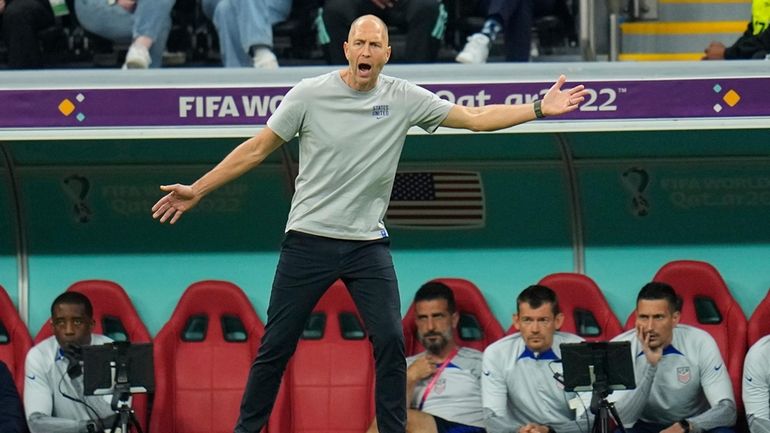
(753, 44)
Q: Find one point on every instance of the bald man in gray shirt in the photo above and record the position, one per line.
(352, 124)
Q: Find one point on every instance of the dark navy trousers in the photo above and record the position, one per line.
(308, 265)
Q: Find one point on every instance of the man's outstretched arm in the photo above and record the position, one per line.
(499, 116)
(247, 155)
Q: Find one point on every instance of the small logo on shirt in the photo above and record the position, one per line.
(717, 367)
(440, 386)
(30, 376)
(485, 372)
(380, 111)
(683, 374)
(749, 378)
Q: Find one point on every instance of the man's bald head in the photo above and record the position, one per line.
(369, 20)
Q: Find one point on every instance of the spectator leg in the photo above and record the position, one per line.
(108, 21)
(153, 20)
(22, 20)
(426, 21)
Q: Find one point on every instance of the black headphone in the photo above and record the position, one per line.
(74, 355)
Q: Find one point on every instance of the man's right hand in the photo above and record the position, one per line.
(421, 368)
(128, 5)
(2, 6)
(180, 198)
(653, 355)
(715, 51)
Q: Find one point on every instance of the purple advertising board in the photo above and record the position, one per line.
(239, 106)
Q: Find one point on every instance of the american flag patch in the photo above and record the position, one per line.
(440, 199)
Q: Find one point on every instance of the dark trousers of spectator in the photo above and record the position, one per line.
(308, 265)
(22, 21)
(517, 17)
(646, 427)
(420, 18)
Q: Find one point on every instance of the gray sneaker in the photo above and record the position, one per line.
(264, 58)
(137, 57)
(476, 50)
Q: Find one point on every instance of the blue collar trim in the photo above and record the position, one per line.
(668, 350)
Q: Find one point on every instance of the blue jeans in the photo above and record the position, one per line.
(242, 24)
(151, 18)
(308, 265)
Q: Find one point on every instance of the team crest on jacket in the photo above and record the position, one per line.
(683, 374)
(440, 386)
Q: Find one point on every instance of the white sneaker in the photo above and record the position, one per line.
(264, 58)
(137, 57)
(476, 50)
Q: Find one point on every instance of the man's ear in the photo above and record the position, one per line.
(455, 319)
(516, 322)
(676, 317)
(558, 321)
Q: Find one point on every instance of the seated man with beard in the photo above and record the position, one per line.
(443, 383)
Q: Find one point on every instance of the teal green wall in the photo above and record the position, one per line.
(8, 276)
(707, 191)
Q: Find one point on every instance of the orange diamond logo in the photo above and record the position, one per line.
(731, 98)
(66, 107)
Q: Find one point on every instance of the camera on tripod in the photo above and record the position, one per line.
(119, 369)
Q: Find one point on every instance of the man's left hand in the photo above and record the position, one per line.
(674, 428)
(534, 428)
(558, 101)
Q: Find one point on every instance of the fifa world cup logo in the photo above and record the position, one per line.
(77, 188)
(636, 180)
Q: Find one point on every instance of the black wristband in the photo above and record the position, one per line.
(685, 425)
(539, 114)
(550, 429)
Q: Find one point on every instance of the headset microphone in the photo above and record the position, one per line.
(74, 354)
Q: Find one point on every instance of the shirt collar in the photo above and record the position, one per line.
(547, 355)
(668, 350)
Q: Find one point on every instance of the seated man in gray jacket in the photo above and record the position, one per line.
(53, 387)
(690, 389)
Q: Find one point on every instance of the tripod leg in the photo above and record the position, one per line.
(616, 417)
(602, 421)
(135, 422)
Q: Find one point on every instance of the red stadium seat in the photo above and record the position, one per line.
(116, 318)
(14, 339)
(329, 382)
(478, 327)
(759, 324)
(586, 311)
(202, 359)
(708, 304)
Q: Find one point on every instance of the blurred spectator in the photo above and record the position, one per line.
(22, 21)
(143, 23)
(245, 29)
(424, 21)
(753, 44)
(513, 18)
